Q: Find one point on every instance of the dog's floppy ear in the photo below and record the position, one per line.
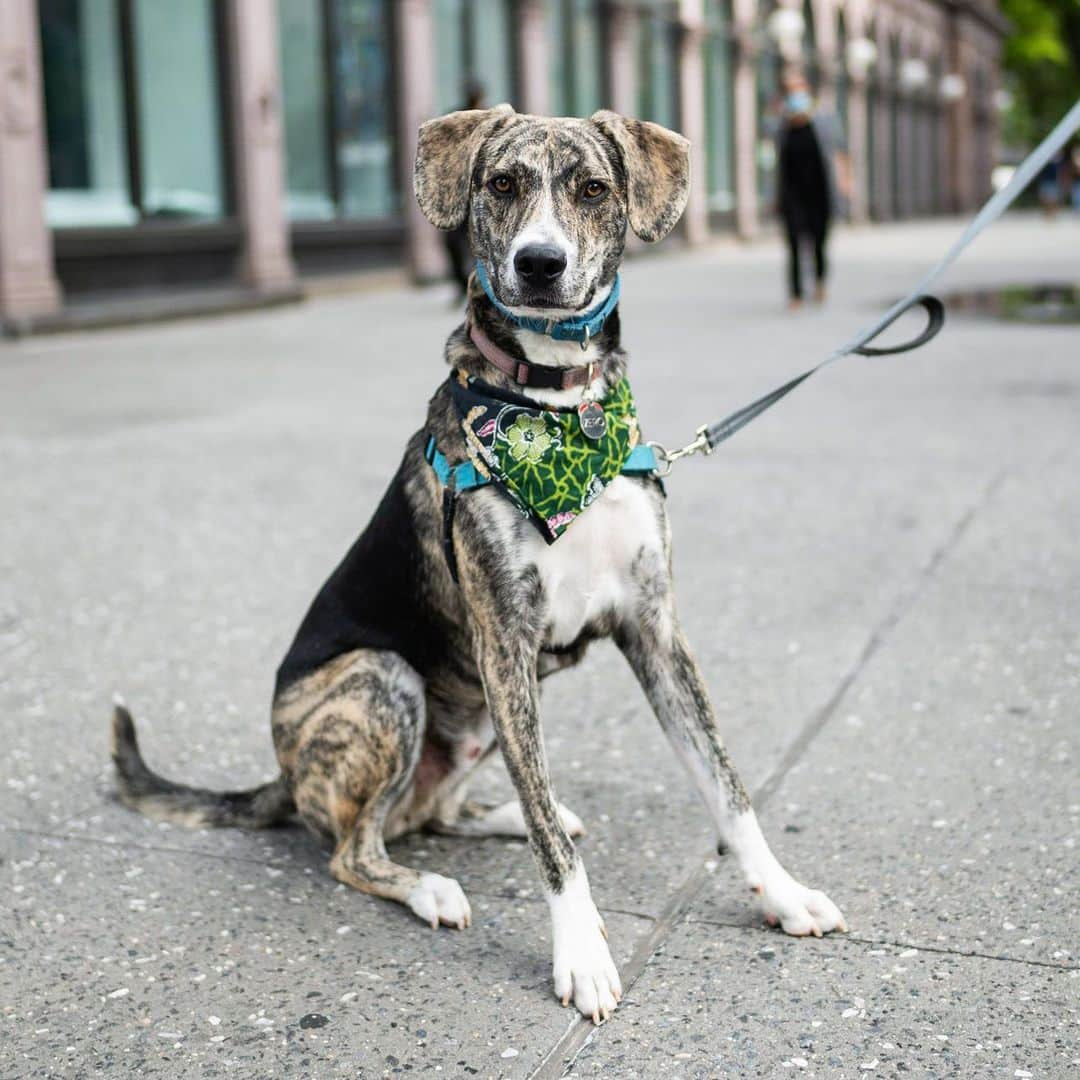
(657, 166)
(444, 159)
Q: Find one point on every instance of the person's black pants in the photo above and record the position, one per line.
(800, 232)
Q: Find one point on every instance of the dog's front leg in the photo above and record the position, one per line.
(505, 617)
(657, 651)
(583, 969)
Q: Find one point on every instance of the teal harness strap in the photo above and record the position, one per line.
(641, 462)
(465, 476)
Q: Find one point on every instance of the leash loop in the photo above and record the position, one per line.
(935, 311)
(710, 436)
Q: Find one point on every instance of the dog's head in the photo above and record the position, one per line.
(547, 200)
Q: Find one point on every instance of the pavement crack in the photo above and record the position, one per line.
(942, 950)
(560, 1058)
(878, 637)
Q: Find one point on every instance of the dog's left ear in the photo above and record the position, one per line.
(657, 165)
(444, 159)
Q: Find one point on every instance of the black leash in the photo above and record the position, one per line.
(709, 436)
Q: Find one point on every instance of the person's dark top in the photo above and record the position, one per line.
(804, 183)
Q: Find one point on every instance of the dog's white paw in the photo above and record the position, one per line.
(509, 820)
(583, 970)
(585, 973)
(798, 911)
(437, 899)
(571, 822)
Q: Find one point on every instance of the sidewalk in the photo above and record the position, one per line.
(882, 583)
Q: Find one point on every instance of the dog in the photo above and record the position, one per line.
(425, 647)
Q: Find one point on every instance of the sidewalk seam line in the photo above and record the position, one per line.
(562, 1055)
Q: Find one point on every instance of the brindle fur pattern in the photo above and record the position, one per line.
(372, 745)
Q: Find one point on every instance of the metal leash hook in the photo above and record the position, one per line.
(666, 458)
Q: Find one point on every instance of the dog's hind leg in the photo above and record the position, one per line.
(351, 748)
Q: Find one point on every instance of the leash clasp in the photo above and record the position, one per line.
(666, 458)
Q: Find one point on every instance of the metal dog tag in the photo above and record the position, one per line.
(592, 420)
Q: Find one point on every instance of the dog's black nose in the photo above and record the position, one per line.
(540, 264)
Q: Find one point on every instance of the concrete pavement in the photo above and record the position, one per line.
(881, 581)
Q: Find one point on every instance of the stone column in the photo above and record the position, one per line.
(415, 30)
(259, 151)
(857, 142)
(532, 51)
(692, 117)
(746, 123)
(28, 286)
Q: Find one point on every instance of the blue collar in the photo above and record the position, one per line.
(580, 328)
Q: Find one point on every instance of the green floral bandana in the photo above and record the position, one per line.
(542, 457)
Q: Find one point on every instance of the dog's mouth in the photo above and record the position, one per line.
(553, 304)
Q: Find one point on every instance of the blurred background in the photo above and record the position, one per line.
(155, 147)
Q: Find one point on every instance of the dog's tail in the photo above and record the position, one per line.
(195, 808)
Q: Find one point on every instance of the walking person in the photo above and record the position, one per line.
(812, 169)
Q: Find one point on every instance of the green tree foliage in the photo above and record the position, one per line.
(1042, 62)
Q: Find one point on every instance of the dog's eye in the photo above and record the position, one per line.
(501, 184)
(593, 189)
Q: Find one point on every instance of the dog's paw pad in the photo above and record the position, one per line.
(437, 899)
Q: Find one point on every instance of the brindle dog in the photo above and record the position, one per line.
(401, 679)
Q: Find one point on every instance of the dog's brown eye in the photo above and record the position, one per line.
(501, 185)
(593, 189)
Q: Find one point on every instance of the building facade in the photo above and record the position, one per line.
(148, 144)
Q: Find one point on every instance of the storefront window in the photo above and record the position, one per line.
(132, 111)
(84, 114)
(719, 106)
(491, 49)
(180, 145)
(657, 65)
(305, 92)
(576, 71)
(362, 113)
(450, 59)
(475, 52)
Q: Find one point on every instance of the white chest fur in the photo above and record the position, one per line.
(586, 573)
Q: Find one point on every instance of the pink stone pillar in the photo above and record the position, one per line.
(857, 140)
(28, 286)
(416, 97)
(746, 123)
(265, 262)
(532, 51)
(692, 118)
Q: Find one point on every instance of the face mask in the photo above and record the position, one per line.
(797, 103)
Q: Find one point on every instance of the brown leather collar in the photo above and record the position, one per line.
(540, 376)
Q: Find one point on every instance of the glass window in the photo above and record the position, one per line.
(576, 57)
(588, 66)
(84, 114)
(362, 114)
(305, 96)
(656, 68)
(719, 106)
(450, 68)
(177, 104)
(491, 49)
(558, 58)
